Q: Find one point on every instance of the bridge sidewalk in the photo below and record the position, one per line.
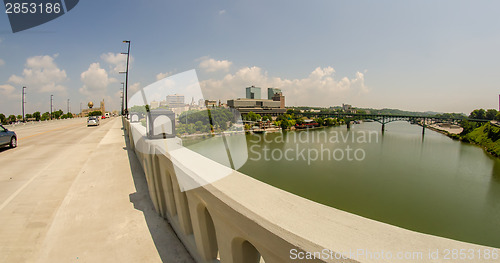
(107, 215)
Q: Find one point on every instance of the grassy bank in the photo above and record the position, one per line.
(486, 136)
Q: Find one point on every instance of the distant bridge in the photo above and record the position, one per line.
(385, 118)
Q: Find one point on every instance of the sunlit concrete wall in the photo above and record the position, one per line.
(240, 219)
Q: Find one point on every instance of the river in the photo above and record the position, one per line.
(430, 184)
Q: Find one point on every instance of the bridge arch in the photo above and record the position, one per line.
(245, 252)
(209, 248)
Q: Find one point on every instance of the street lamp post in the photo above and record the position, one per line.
(51, 106)
(122, 97)
(24, 102)
(126, 76)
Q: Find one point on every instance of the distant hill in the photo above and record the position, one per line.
(387, 111)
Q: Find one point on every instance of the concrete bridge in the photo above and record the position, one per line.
(239, 219)
(385, 118)
(70, 193)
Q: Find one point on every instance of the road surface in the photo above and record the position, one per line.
(72, 193)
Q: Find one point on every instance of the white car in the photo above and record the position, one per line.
(93, 121)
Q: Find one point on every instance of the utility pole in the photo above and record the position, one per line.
(24, 102)
(126, 77)
(68, 107)
(122, 97)
(81, 109)
(51, 106)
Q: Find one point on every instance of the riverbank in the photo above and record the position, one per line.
(487, 136)
(446, 128)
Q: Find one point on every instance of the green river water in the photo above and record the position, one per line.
(430, 184)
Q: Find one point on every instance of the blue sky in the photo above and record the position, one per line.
(413, 55)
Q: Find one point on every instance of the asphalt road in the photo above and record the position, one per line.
(66, 195)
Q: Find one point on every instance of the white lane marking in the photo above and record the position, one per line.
(12, 196)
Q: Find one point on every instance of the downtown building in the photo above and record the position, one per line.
(274, 105)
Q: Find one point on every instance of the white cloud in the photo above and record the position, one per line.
(95, 81)
(9, 91)
(320, 88)
(212, 65)
(117, 62)
(41, 74)
(132, 89)
(223, 11)
(163, 75)
(2, 62)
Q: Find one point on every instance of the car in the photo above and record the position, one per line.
(93, 121)
(7, 137)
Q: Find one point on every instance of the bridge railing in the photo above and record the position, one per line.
(239, 219)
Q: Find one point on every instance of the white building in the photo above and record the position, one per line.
(175, 101)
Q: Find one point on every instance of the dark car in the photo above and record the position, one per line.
(7, 137)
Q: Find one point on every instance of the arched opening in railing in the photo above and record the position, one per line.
(170, 193)
(167, 188)
(208, 234)
(244, 252)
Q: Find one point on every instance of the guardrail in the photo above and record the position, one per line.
(239, 219)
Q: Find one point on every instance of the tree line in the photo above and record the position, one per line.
(482, 114)
(36, 116)
(205, 121)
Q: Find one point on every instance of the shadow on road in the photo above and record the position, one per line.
(166, 241)
(6, 148)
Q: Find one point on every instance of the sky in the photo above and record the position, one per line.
(423, 55)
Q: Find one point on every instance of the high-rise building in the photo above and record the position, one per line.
(271, 92)
(253, 92)
(175, 101)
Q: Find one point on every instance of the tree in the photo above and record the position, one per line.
(360, 111)
(36, 115)
(45, 116)
(95, 113)
(478, 114)
(57, 114)
(468, 126)
(251, 116)
(139, 109)
(3, 120)
(491, 114)
(199, 127)
(285, 124)
(28, 116)
(12, 118)
(320, 121)
(67, 115)
(331, 122)
(19, 117)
